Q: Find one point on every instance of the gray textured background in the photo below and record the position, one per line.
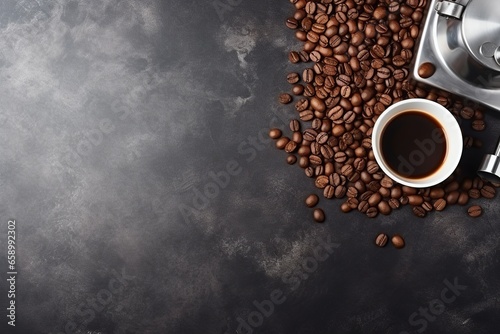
(115, 113)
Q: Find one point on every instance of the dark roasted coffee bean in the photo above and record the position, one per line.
(363, 206)
(384, 208)
(321, 181)
(275, 133)
(475, 193)
(353, 203)
(294, 125)
(409, 190)
(292, 23)
(386, 182)
(304, 163)
(426, 70)
(427, 206)
(403, 200)
(372, 212)
(452, 198)
(293, 56)
(319, 215)
(415, 200)
(327, 152)
(309, 171)
(463, 199)
(340, 191)
(303, 56)
(419, 211)
(467, 113)
(381, 240)
(375, 199)
(281, 143)
(373, 186)
(297, 137)
(285, 98)
(475, 211)
(322, 138)
(452, 186)
(440, 204)
(478, 125)
(329, 191)
(345, 208)
(437, 193)
(372, 167)
(290, 147)
(292, 78)
(394, 203)
(477, 183)
(352, 192)
(302, 105)
(488, 192)
(308, 75)
(291, 159)
(306, 115)
(398, 241)
(340, 157)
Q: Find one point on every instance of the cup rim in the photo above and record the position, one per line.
(450, 127)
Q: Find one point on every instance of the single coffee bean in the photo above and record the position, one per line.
(285, 98)
(478, 125)
(281, 143)
(321, 181)
(294, 125)
(398, 241)
(475, 193)
(309, 171)
(373, 186)
(372, 212)
(372, 167)
(452, 186)
(409, 190)
(291, 159)
(306, 115)
(415, 200)
(437, 193)
(384, 208)
(466, 184)
(394, 203)
(363, 206)
(386, 182)
(427, 206)
(403, 200)
(419, 211)
(352, 192)
(488, 192)
(381, 240)
(297, 137)
(440, 204)
(477, 183)
(319, 215)
(426, 70)
(292, 23)
(294, 57)
(340, 191)
(292, 78)
(275, 133)
(329, 191)
(463, 199)
(375, 199)
(340, 157)
(452, 198)
(327, 151)
(475, 211)
(291, 146)
(353, 203)
(467, 113)
(304, 163)
(345, 208)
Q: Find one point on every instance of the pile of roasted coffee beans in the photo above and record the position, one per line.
(354, 63)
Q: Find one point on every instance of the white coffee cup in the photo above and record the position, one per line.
(453, 140)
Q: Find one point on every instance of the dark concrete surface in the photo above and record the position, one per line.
(115, 115)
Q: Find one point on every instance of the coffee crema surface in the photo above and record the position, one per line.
(414, 144)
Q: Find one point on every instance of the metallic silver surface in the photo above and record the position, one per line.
(490, 166)
(456, 48)
(449, 9)
(488, 49)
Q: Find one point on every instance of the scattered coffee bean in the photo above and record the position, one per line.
(475, 211)
(440, 204)
(285, 98)
(488, 192)
(381, 240)
(319, 215)
(426, 70)
(372, 212)
(419, 211)
(275, 133)
(398, 241)
(291, 159)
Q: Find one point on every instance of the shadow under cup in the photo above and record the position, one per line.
(417, 143)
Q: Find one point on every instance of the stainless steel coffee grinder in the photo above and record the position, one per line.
(461, 38)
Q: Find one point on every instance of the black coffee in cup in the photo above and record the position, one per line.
(413, 144)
